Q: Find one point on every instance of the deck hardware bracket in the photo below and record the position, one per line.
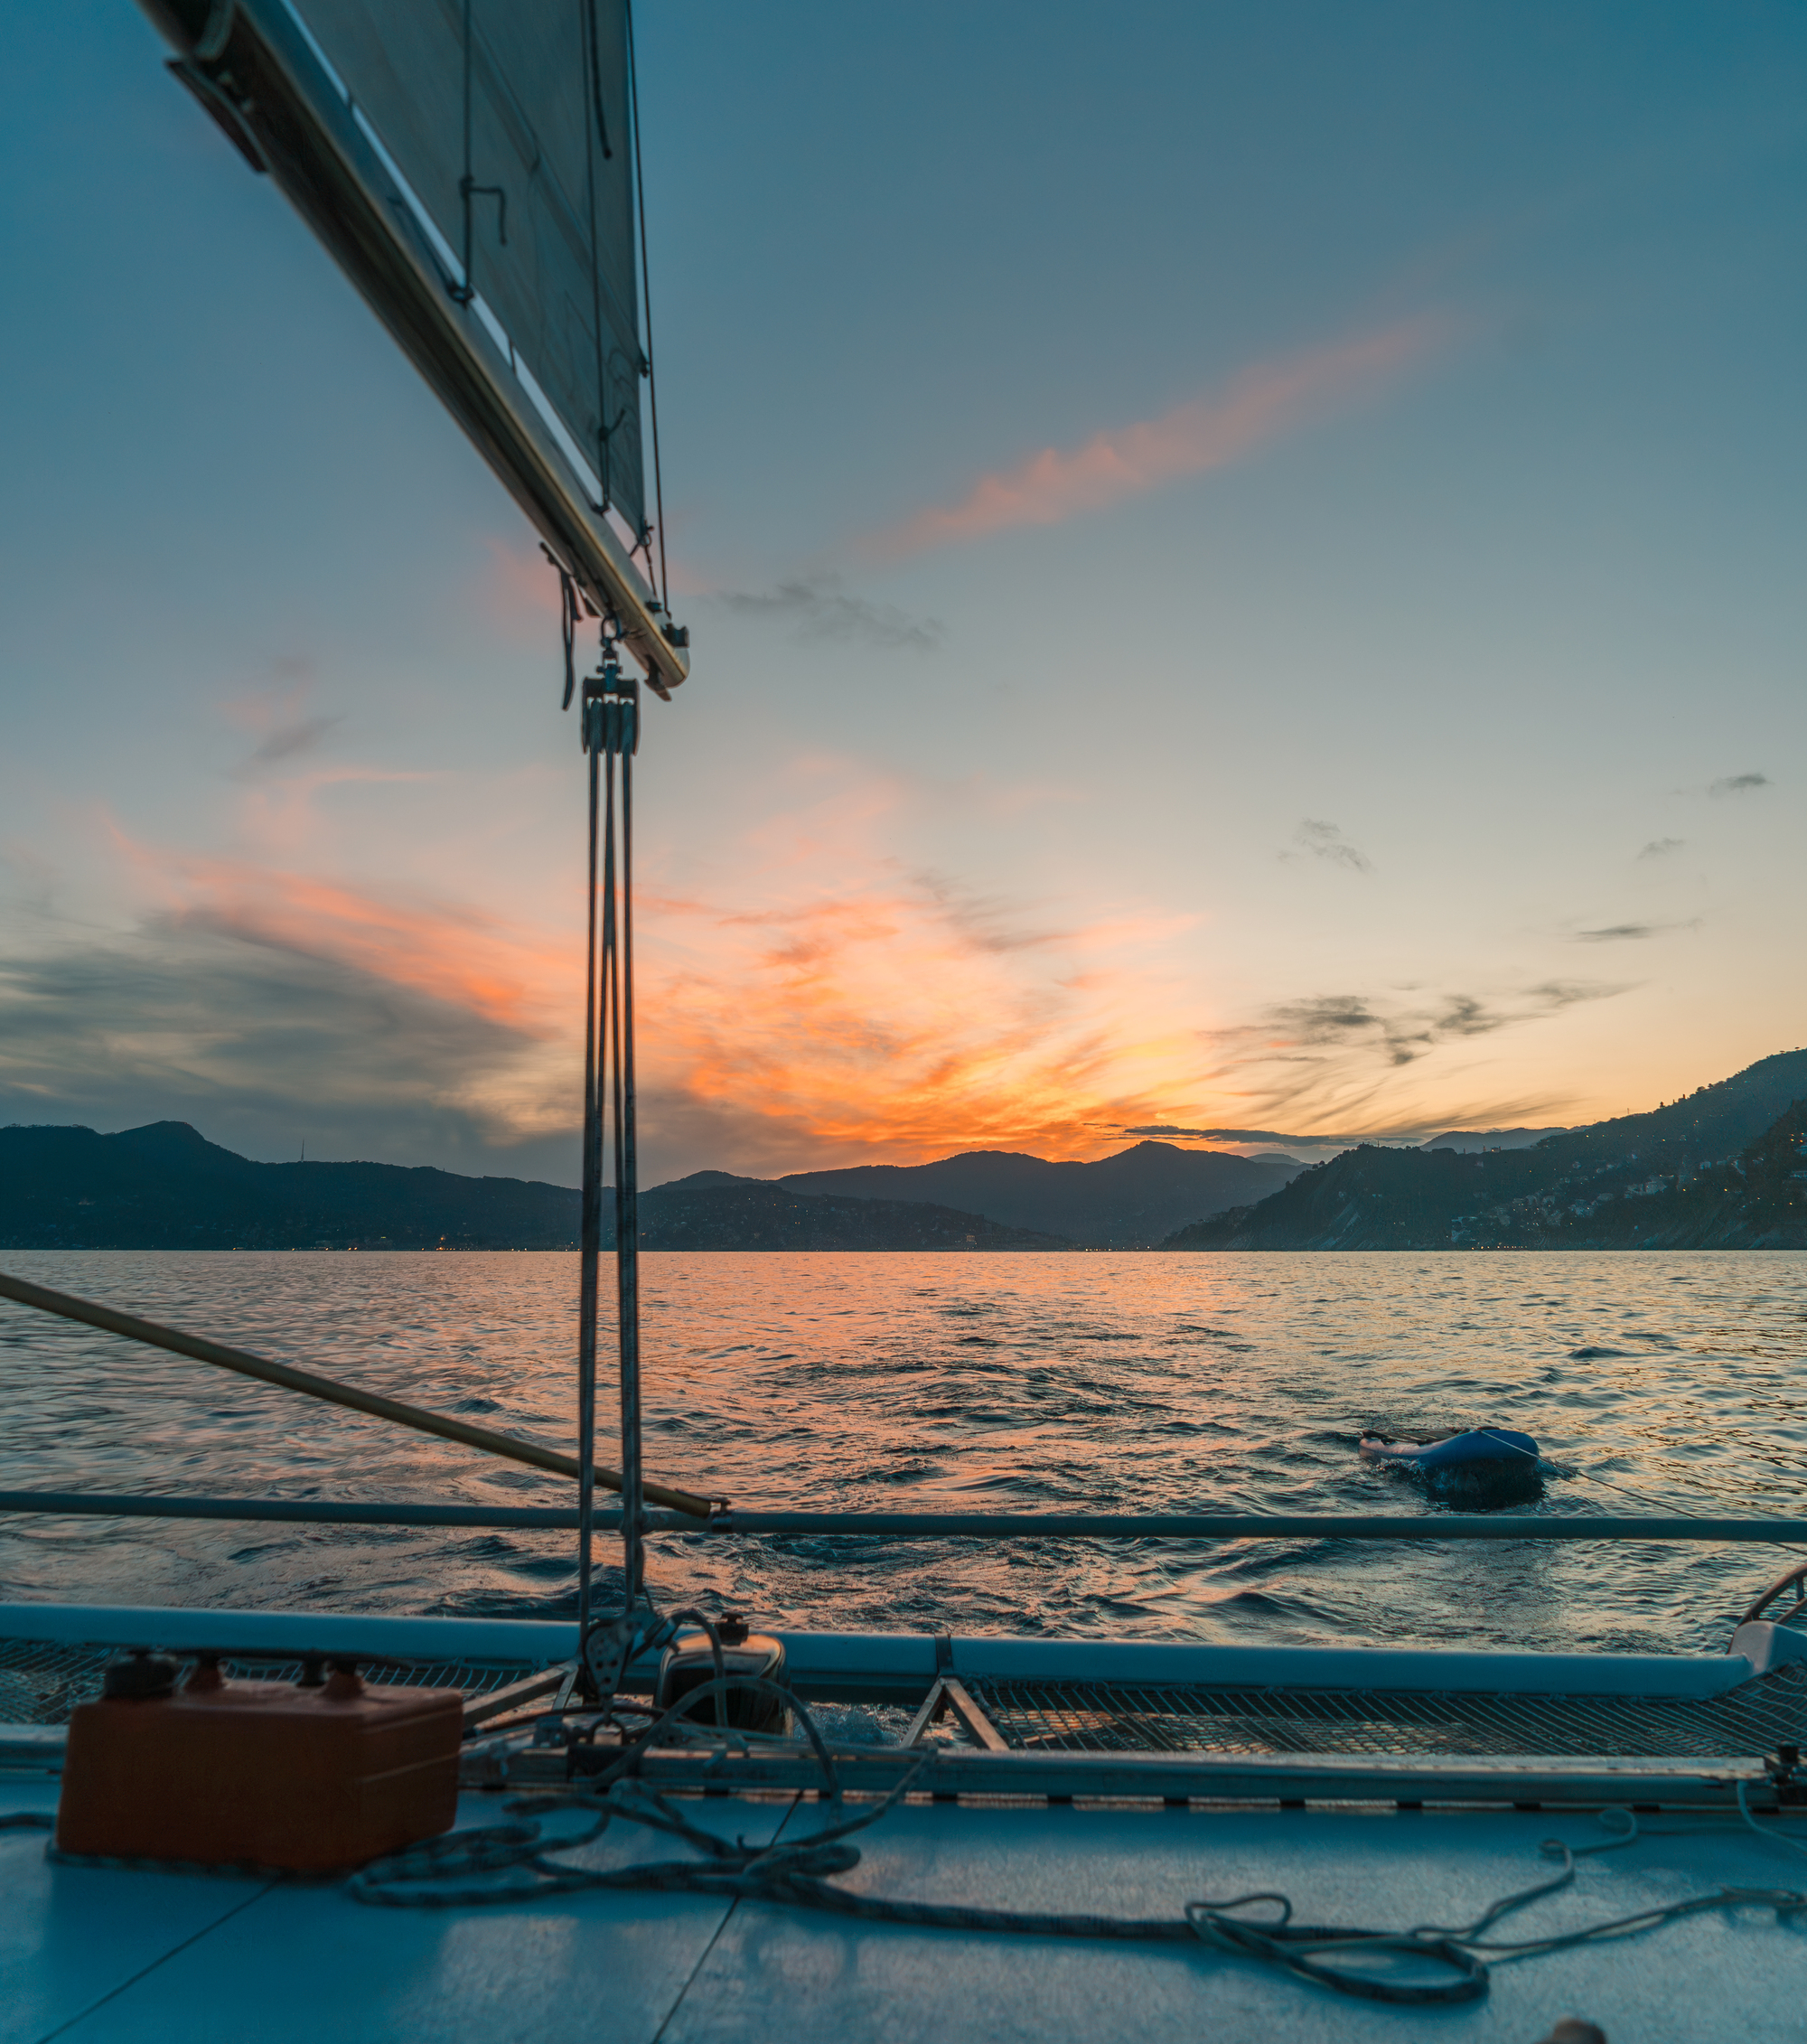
(479, 1710)
(977, 1727)
(933, 1706)
(950, 1695)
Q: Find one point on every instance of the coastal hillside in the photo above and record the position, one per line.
(166, 1186)
(712, 1210)
(1716, 1170)
(1129, 1201)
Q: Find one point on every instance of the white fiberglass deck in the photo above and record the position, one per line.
(92, 1953)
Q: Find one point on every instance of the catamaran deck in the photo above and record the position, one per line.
(1379, 1789)
(92, 1953)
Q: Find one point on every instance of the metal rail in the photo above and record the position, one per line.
(1586, 1783)
(925, 1525)
(199, 1349)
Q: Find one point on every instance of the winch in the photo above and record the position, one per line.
(690, 1660)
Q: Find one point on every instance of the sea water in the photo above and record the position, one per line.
(1669, 1383)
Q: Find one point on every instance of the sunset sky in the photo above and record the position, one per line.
(1244, 565)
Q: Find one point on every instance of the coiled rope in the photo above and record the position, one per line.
(518, 1863)
(1365, 1964)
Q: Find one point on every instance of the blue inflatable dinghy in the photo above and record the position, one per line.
(1458, 1452)
(1479, 1471)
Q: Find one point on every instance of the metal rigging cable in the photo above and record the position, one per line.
(609, 734)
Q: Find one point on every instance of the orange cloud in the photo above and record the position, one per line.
(1207, 432)
(895, 1023)
(877, 1018)
(833, 1008)
(447, 954)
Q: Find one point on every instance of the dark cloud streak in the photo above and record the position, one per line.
(257, 1047)
(1630, 932)
(288, 741)
(819, 609)
(1317, 839)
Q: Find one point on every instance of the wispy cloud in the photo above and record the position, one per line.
(1630, 932)
(900, 1020)
(286, 742)
(1340, 1058)
(1313, 840)
(1660, 848)
(1321, 1141)
(1738, 784)
(832, 1002)
(258, 1043)
(441, 951)
(819, 607)
(1206, 432)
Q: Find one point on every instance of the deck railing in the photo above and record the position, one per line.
(929, 1525)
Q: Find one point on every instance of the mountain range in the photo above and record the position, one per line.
(1129, 1201)
(1723, 1169)
(166, 1186)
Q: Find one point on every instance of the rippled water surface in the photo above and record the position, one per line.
(1118, 1382)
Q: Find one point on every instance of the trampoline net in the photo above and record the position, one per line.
(1109, 1718)
(42, 1681)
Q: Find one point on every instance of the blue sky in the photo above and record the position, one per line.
(1242, 562)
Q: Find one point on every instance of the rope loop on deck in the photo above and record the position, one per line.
(1307, 1950)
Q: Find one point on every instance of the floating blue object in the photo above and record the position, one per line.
(1484, 1455)
(1483, 1444)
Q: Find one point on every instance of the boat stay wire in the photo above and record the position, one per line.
(610, 732)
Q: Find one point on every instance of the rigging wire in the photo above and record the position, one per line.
(1681, 1511)
(568, 615)
(590, 1239)
(620, 716)
(609, 733)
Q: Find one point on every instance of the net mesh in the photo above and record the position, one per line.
(42, 1681)
(1107, 1718)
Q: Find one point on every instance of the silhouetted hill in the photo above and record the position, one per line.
(166, 1186)
(712, 1211)
(1124, 1202)
(1713, 1171)
(1491, 1139)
